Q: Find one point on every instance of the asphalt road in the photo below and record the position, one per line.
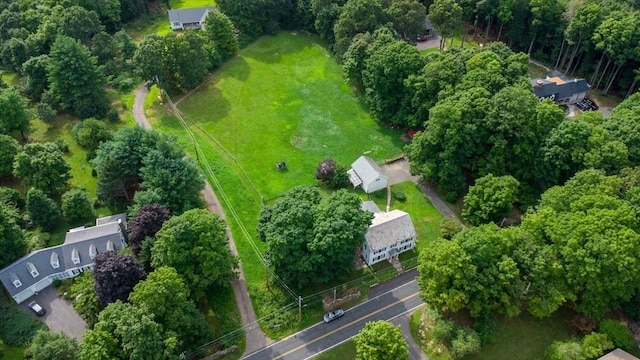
(321, 336)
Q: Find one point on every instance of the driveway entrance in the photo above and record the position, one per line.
(60, 315)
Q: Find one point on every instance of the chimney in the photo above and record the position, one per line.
(539, 83)
(123, 231)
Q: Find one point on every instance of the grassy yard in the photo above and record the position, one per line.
(159, 23)
(425, 216)
(525, 337)
(13, 353)
(282, 99)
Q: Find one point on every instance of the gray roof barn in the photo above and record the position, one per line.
(193, 18)
(365, 172)
(37, 269)
(388, 228)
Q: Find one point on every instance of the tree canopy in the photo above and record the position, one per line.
(311, 240)
(48, 345)
(146, 222)
(11, 236)
(490, 198)
(42, 166)
(195, 244)
(42, 210)
(380, 340)
(14, 112)
(116, 276)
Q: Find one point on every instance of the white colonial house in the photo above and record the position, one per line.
(193, 18)
(390, 234)
(366, 173)
(37, 270)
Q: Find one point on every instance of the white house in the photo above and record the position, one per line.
(37, 270)
(366, 173)
(193, 18)
(390, 234)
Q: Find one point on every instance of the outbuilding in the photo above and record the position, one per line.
(366, 173)
(193, 18)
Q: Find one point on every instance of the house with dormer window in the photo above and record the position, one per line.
(389, 235)
(35, 271)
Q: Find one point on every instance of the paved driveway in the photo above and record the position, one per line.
(60, 315)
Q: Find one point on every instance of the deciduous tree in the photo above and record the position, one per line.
(42, 210)
(490, 199)
(446, 16)
(48, 345)
(195, 244)
(14, 113)
(11, 236)
(90, 133)
(115, 276)
(9, 148)
(220, 30)
(76, 205)
(75, 79)
(380, 340)
(42, 166)
(146, 222)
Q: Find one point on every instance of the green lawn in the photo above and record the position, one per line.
(13, 353)
(282, 99)
(344, 351)
(525, 337)
(426, 218)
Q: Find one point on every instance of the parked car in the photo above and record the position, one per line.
(582, 105)
(422, 37)
(330, 316)
(37, 309)
(591, 104)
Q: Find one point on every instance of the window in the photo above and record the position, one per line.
(32, 269)
(92, 252)
(110, 246)
(55, 262)
(14, 279)
(75, 256)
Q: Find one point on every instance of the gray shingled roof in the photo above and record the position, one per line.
(562, 91)
(618, 354)
(186, 16)
(367, 169)
(80, 239)
(388, 228)
(370, 206)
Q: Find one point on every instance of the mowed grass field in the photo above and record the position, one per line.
(284, 99)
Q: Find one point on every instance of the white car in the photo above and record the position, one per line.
(36, 308)
(330, 316)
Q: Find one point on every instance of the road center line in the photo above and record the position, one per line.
(343, 327)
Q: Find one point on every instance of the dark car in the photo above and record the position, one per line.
(582, 105)
(422, 37)
(37, 309)
(330, 316)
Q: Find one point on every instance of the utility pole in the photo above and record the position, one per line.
(299, 308)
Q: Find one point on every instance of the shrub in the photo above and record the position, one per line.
(62, 145)
(449, 228)
(113, 116)
(46, 112)
(400, 196)
(619, 334)
(594, 345)
(38, 241)
(466, 343)
(451, 197)
(443, 330)
(12, 196)
(565, 350)
(486, 327)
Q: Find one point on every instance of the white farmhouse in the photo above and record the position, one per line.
(193, 18)
(366, 173)
(390, 234)
(37, 270)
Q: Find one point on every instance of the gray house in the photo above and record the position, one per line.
(366, 173)
(193, 18)
(560, 90)
(390, 234)
(37, 270)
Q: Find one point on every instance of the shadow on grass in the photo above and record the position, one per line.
(271, 48)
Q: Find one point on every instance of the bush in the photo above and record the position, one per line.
(451, 197)
(449, 228)
(400, 196)
(619, 334)
(62, 145)
(486, 328)
(12, 197)
(113, 116)
(466, 343)
(38, 241)
(46, 113)
(443, 330)
(594, 345)
(565, 350)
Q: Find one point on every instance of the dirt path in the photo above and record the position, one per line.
(256, 339)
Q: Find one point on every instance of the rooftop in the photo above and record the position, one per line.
(388, 228)
(192, 15)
